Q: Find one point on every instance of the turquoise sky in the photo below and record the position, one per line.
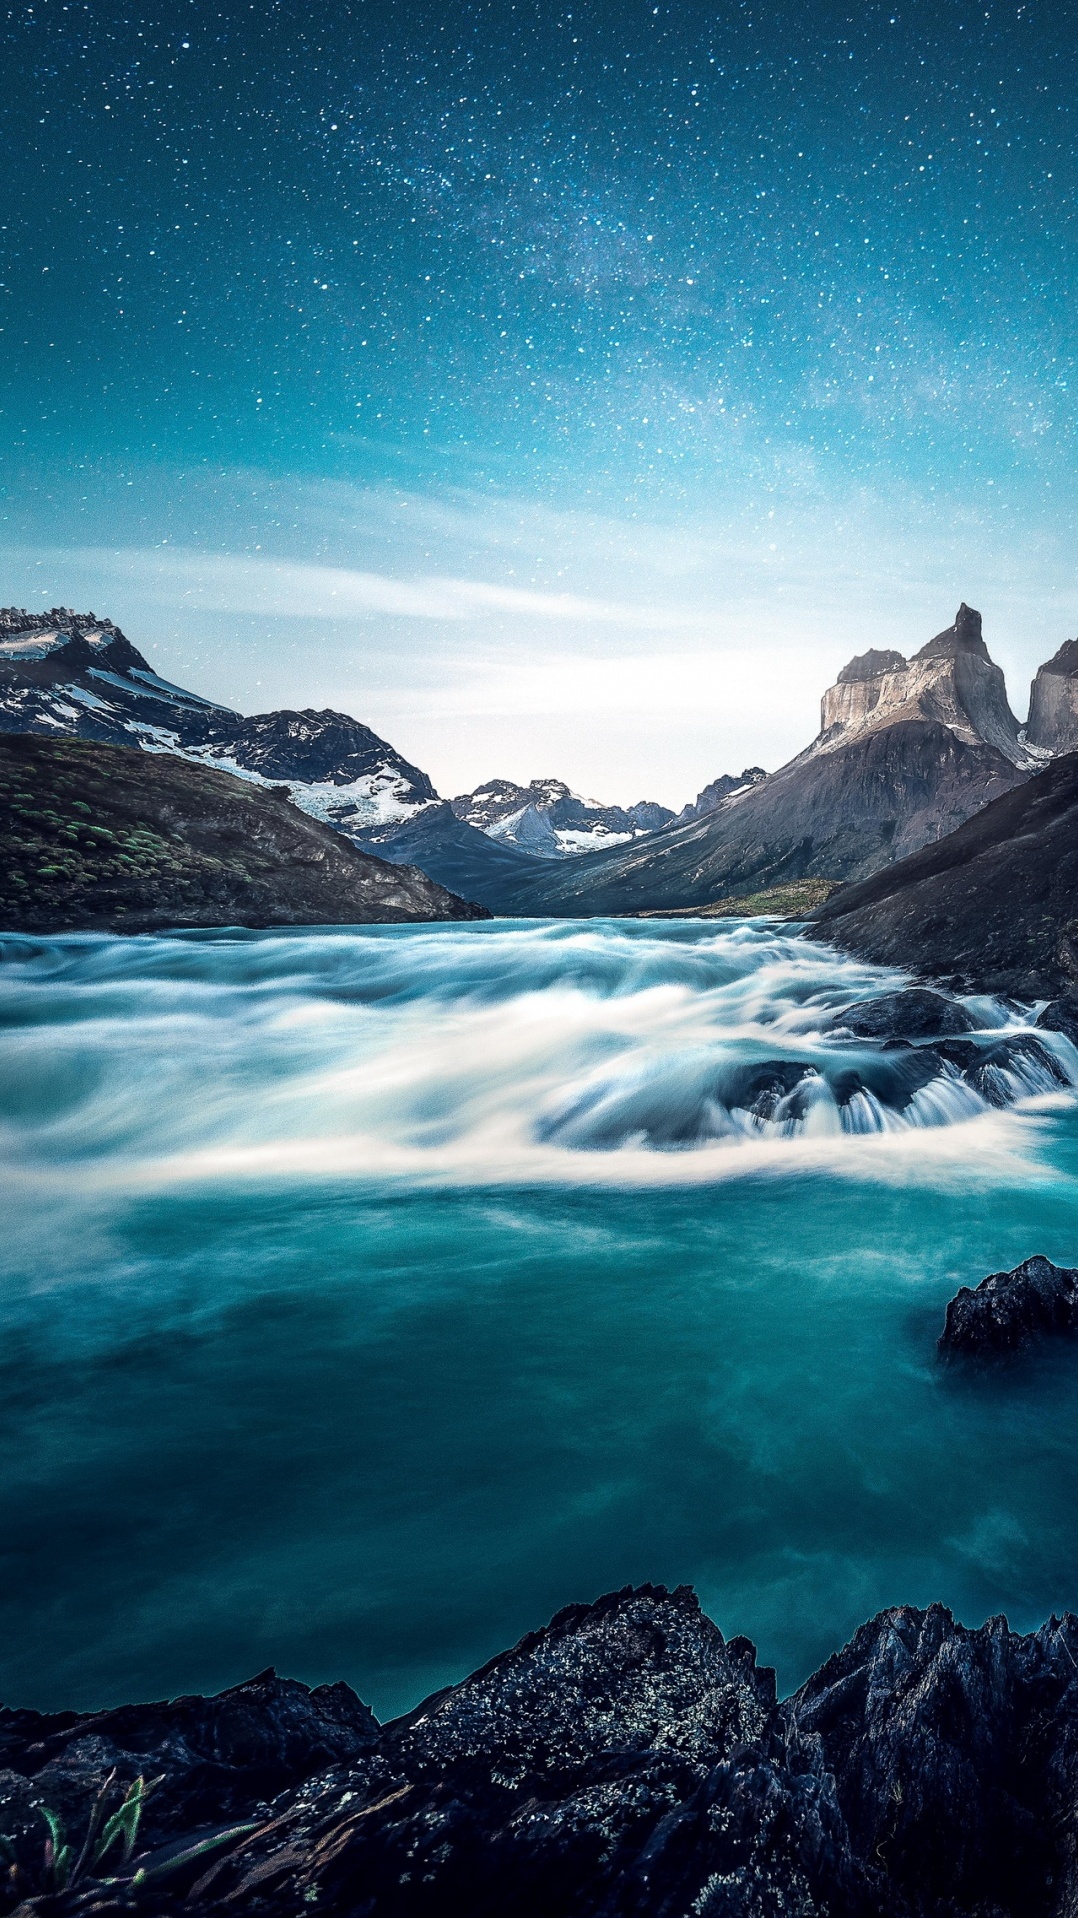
(562, 390)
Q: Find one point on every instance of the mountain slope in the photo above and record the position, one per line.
(64, 673)
(456, 854)
(107, 838)
(992, 908)
(833, 816)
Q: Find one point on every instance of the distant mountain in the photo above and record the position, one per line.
(723, 788)
(1053, 702)
(456, 853)
(64, 673)
(907, 750)
(991, 908)
(106, 838)
(549, 821)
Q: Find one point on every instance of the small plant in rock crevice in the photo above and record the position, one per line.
(64, 1868)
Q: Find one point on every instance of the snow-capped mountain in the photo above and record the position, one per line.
(550, 821)
(70, 673)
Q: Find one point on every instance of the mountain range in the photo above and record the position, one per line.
(548, 820)
(908, 749)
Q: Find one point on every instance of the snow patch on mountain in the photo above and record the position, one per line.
(550, 821)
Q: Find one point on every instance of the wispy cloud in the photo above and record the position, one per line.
(492, 634)
(238, 583)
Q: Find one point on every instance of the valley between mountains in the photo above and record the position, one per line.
(908, 751)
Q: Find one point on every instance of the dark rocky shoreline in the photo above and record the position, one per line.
(626, 1761)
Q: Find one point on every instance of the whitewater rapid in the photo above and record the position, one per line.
(556, 1052)
(367, 1294)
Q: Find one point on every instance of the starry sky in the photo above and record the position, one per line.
(560, 389)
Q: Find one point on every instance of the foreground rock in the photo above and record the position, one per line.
(991, 908)
(1009, 1310)
(626, 1762)
(107, 838)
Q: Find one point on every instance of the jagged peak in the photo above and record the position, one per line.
(1064, 663)
(871, 664)
(963, 637)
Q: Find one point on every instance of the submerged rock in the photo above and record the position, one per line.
(1010, 1309)
(625, 1762)
(1014, 1066)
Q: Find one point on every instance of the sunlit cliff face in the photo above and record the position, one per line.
(951, 680)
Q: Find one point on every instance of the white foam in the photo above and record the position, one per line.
(599, 1054)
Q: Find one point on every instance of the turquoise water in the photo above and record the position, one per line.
(368, 1295)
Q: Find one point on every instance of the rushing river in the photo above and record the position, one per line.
(367, 1295)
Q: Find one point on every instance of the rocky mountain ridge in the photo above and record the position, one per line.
(907, 752)
(1053, 702)
(627, 1761)
(725, 787)
(68, 674)
(550, 821)
(952, 681)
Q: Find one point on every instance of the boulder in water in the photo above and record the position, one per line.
(1008, 1310)
(916, 1013)
(1061, 1015)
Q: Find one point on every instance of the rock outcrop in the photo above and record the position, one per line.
(625, 1762)
(991, 908)
(713, 794)
(1053, 702)
(107, 838)
(951, 680)
(1009, 1310)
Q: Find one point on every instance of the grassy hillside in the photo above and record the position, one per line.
(112, 838)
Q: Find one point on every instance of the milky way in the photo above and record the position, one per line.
(625, 235)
